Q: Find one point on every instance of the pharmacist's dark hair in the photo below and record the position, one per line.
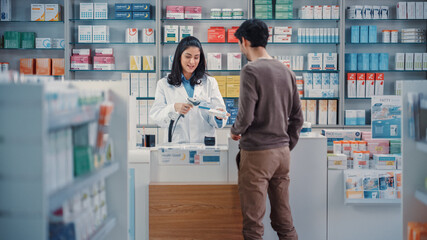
(174, 78)
(255, 31)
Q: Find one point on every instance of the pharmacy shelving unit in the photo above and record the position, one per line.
(21, 22)
(122, 50)
(26, 203)
(414, 196)
(391, 75)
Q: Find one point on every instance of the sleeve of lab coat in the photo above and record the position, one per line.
(216, 101)
(159, 113)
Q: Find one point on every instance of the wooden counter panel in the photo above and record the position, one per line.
(194, 212)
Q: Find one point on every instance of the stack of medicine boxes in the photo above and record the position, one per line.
(137, 11)
(263, 9)
(284, 9)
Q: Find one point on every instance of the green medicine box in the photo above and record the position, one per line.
(395, 147)
(284, 2)
(264, 15)
(263, 2)
(264, 8)
(284, 7)
(284, 15)
(83, 160)
(28, 39)
(12, 40)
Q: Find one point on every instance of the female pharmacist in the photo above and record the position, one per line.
(188, 81)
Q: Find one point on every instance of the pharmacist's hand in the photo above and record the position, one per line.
(222, 110)
(235, 137)
(182, 108)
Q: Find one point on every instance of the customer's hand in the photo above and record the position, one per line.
(235, 137)
(222, 110)
(182, 108)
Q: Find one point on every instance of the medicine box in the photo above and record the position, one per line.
(193, 12)
(171, 33)
(81, 52)
(326, 81)
(410, 10)
(43, 66)
(372, 34)
(148, 35)
(334, 83)
(37, 12)
(52, 12)
(312, 111)
(317, 81)
(233, 86)
(216, 34)
(329, 61)
(264, 15)
(26, 66)
(175, 12)
(103, 63)
(424, 61)
(85, 34)
(384, 161)
(152, 84)
(141, 15)
(43, 43)
(282, 38)
(283, 7)
(6, 10)
(222, 85)
(86, 10)
(123, 15)
(234, 61)
(101, 33)
(318, 12)
(400, 61)
(370, 84)
(418, 61)
(315, 61)
(351, 61)
(337, 161)
(361, 87)
(379, 85)
(123, 7)
(104, 52)
(100, 10)
(58, 43)
(332, 112)
(409, 61)
(401, 10)
(131, 35)
(308, 82)
(185, 31)
(230, 35)
(135, 63)
(419, 10)
(214, 61)
(58, 65)
(148, 63)
(350, 117)
(374, 61)
(323, 112)
(140, 7)
(81, 62)
(338, 135)
(361, 117)
(363, 61)
(351, 85)
(335, 12)
(383, 63)
(327, 10)
(364, 34)
(283, 30)
(284, 15)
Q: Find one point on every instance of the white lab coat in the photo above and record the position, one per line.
(197, 123)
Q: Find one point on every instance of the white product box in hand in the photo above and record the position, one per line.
(282, 38)
(143, 84)
(131, 35)
(315, 61)
(334, 83)
(152, 84)
(135, 63)
(185, 31)
(86, 10)
(171, 33)
(134, 84)
(6, 10)
(323, 112)
(401, 10)
(418, 61)
(361, 88)
(312, 111)
(332, 112)
(329, 61)
(43, 43)
(52, 12)
(58, 43)
(234, 61)
(37, 12)
(214, 61)
(148, 63)
(85, 34)
(283, 30)
(101, 33)
(400, 61)
(337, 161)
(148, 35)
(101, 11)
(409, 61)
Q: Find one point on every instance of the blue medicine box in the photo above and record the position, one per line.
(383, 61)
(364, 33)
(355, 34)
(372, 34)
(123, 15)
(141, 15)
(351, 61)
(141, 7)
(374, 61)
(229, 103)
(123, 7)
(363, 61)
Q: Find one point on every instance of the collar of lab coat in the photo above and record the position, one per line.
(197, 88)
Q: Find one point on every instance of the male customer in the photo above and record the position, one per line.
(268, 125)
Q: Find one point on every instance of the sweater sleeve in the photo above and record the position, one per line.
(296, 118)
(247, 102)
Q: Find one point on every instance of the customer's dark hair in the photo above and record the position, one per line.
(255, 31)
(174, 78)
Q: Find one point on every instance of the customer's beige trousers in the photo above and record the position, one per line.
(261, 172)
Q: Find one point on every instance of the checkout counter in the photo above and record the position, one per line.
(190, 191)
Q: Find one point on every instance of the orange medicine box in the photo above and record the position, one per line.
(58, 65)
(361, 76)
(26, 66)
(43, 66)
(216, 34)
(379, 76)
(230, 35)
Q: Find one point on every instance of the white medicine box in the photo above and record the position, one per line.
(37, 12)
(86, 10)
(100, 10)
(85, 34)
(101, 33)
(52, 12)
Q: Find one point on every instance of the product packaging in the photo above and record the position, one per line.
(85, 34)
(148, 63)
(185, 31)
(351, 85)
(43, 43)
(147, 35)
(43, 66)
(332, 112)
(101, 33)
(370, 84)
(234, 61)
(135, 63)
(26, 66)
(409, 61)
(312, 111)
(315, 61)
(86, 10)
(175, 12)
(131, 35)
(214, 61)
(100, 10)
(37, 12)
(192, 12)
(52, 12)
(171, 33)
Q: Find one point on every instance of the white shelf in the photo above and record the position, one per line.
(104, 229)
(422, 146)
(59, 197)
(71, 118)
(371, 201)
(421, 195)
